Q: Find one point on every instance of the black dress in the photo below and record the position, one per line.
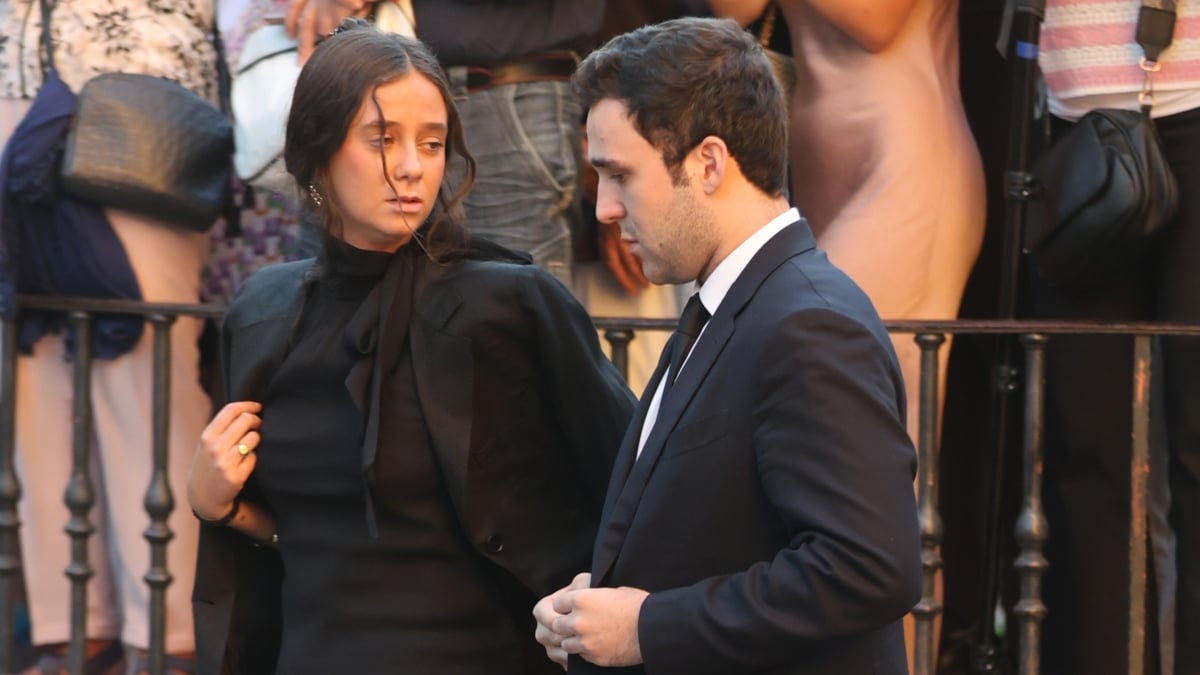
(378, 577)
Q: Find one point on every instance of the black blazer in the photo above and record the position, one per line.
(524, 411)
(771, 513)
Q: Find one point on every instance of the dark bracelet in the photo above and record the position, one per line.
(223, 520)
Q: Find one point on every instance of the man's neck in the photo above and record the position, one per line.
(738, 219)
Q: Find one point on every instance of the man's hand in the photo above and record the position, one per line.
(308, 20)
(600, 624)
(545, 615)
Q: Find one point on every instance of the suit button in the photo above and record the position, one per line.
(494, 544)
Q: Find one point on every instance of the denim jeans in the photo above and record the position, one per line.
(526, 142)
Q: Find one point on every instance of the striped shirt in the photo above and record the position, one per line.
(1089, 55)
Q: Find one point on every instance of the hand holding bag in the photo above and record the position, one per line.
(1106, 188)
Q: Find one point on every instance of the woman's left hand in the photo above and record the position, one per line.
(224, 459)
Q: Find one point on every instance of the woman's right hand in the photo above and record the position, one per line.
(224, 459)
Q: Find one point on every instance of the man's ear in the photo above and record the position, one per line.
(711, 162)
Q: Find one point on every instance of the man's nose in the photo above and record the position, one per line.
(609, 208)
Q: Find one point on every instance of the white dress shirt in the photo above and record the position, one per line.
(712, 293)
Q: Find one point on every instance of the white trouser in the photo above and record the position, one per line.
(167, 262)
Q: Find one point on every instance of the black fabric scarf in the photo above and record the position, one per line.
(378, 333)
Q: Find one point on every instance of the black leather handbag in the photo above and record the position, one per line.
(1107, 191)
(1103, 190)
(147, 145)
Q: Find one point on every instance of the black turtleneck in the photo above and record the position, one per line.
(412, 596)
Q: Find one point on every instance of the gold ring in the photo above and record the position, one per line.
(243, 449)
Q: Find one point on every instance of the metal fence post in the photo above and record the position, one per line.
(1032, 528)
(159, 500)
(1139, 472)
(927, 610)
(80, 495)
(10, 491)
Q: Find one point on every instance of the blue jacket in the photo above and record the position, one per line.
(53, 244)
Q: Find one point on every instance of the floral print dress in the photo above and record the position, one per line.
(167, 38)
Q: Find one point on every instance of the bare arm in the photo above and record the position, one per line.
(742, 11)
(874, 24)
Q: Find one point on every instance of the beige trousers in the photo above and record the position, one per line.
(167, 262)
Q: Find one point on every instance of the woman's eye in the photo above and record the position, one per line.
(433, 146)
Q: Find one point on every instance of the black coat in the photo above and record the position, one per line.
(498, 348)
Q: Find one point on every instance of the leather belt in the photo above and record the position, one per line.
(551, 66)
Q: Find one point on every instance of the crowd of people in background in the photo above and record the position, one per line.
(473, 353)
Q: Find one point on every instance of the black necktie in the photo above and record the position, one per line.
(690, 323)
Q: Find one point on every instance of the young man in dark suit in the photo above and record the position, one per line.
(760, 516)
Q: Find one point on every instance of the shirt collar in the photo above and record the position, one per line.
(714, 289)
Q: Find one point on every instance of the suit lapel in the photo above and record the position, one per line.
(444, 372)
(609, 539)
(619, 511)
(620, 515)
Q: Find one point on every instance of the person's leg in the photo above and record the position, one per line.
(167, 262)
(1158, 508)
(43, 451)
(525, 139)
(913, 266)
(1087, 431)
(1178, 286)
(43, 456)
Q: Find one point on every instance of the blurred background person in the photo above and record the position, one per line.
(883, 164)
(1089, 57)
(170, 39)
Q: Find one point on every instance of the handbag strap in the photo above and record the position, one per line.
(47, 43)
(1155, 29)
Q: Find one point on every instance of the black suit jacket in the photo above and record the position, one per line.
(771, 513)
(524, 411)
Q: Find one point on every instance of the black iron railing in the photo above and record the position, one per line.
(1031, 530)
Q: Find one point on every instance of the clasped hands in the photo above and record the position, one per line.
(598, 624)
